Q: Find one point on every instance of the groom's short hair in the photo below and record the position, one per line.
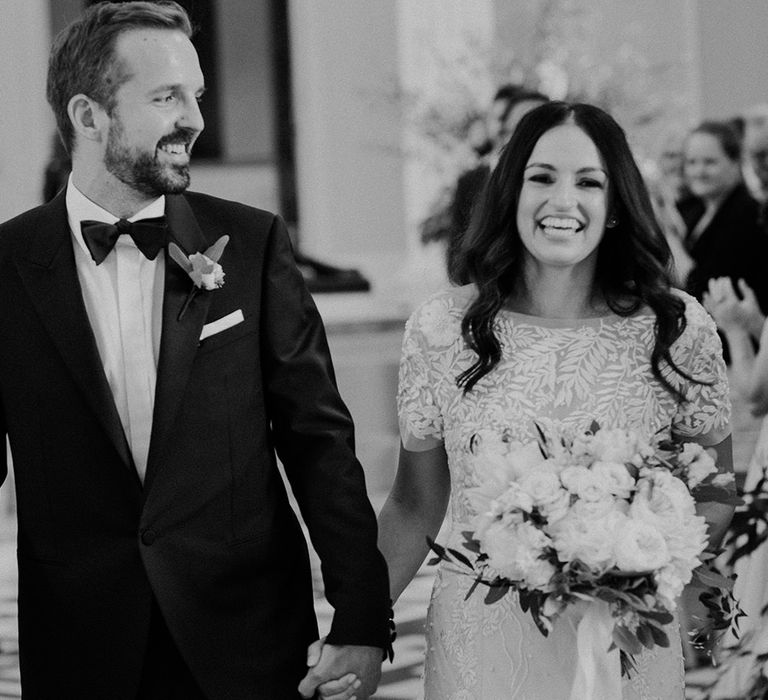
(82, 57)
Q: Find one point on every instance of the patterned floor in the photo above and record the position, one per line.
(9, 638)
(400, 680)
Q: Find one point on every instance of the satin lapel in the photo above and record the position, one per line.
(179, 338)
(47, 269)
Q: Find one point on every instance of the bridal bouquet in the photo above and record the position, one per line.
(601, 516)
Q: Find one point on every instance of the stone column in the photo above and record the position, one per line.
(26, 121)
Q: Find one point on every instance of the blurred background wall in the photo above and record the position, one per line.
(348, 117)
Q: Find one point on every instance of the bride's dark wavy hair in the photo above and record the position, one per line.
(634, 262)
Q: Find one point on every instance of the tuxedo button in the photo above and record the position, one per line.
(148, 536)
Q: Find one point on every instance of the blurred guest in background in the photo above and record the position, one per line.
(483, 134)
(755, 165)
(666, 186)
(756, 157)
(723, 234)
(510, 104)
(724, 239)
(670, 158)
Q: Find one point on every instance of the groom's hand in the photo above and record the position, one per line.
(341, 672)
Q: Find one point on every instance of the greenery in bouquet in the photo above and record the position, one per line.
(599, 515)
(749, 652)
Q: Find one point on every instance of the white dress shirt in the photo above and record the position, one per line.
(123, 297)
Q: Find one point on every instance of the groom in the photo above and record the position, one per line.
(146, 391)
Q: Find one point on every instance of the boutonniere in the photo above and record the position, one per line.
(203, 268)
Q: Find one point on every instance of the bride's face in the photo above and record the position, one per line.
(563, 204)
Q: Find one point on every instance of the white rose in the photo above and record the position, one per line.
(662, 501)
(542, 486)
(514, 551)
(514, 499)
(587, 539)
(493, 477)
(525, 459)
(725, 479)
(615, 445)
(640, 547)
(497, 464)
(686, 542)
(699, 462)
(539, 574)
(557, 508)
(598, 509)
(583, 483)
(616, 477)
(669, 586)
(205, 273)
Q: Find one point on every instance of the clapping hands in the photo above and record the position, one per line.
(732, 313)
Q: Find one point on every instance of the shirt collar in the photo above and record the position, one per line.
(80, 208)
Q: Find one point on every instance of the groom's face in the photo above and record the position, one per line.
(156, 116)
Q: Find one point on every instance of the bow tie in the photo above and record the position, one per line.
(149, 235)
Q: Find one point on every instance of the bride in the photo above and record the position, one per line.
(565, 314)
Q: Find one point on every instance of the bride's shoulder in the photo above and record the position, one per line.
(696, 315)
(438, 318)
(451, 301)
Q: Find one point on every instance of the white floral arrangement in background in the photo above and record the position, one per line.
(564, 59)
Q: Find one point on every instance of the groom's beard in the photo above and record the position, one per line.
(142, 170)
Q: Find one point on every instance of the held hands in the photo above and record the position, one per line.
(341, 672)
(730, 312)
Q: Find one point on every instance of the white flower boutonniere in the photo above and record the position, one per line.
(203, 268)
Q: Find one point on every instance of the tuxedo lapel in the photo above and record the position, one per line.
(180, 336)
(47, 268)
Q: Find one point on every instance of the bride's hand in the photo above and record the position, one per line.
(340, 689)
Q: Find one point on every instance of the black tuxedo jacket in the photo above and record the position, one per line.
(210, 534)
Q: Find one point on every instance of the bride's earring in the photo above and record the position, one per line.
(612, 222)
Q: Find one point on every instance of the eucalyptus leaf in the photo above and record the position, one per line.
(496, 593)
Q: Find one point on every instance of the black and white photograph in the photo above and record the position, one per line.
(384, 350)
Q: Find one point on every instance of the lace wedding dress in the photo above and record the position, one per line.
(551, 370)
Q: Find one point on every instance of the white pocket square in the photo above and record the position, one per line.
(221, 324)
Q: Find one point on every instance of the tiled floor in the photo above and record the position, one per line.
(9, 638)
(400, 680)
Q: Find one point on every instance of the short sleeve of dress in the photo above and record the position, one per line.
(706, 414)
(432, 334)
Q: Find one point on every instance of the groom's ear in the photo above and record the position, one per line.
(89, 119)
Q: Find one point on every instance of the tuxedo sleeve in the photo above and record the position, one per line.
(314, 439)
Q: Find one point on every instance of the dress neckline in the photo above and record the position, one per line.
(588, 321)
